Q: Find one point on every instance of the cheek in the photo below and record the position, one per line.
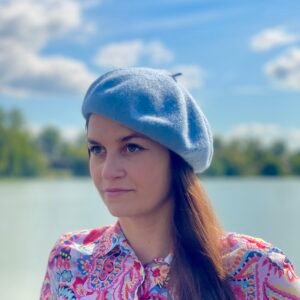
(95, 174)
(155, 178)
(94, 170)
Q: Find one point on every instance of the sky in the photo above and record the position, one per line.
(239, 59)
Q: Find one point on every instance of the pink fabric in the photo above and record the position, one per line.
(99, 264)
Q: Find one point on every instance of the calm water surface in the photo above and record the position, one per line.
(33, 213)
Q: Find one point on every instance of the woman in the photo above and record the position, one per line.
(147, 141)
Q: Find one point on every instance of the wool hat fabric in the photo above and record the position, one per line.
(152, 102)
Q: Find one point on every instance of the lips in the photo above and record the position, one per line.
(116, 190)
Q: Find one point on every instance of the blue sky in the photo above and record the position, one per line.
(240, 59)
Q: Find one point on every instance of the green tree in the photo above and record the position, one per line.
(2, 118)
(294, 162)
(18, 154)
(50, 143)
(23, 157)
(271, 166)
(75, 158)
(278, 148)
(15, 120)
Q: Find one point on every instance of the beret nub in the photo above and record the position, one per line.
(152, 102)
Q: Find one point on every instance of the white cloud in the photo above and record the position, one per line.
(26, 28)
(25, 72)
(120, 55)
(272, 37)
(33, 23)
(267, 134)
(158, 53)
(192, 75)
(285, 69)
(130, 53)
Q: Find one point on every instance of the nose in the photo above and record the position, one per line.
(112, 167)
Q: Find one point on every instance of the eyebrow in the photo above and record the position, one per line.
(122, 139)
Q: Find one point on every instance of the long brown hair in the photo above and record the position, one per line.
(197, 270)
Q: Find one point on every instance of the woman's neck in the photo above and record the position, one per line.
(150, 236)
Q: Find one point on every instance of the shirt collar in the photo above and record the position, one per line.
(114, 237)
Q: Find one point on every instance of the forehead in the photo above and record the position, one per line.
(100, 126)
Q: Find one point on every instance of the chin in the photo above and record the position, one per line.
(118, 213)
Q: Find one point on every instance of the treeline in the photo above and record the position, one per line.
(248, 157)
(24, 155)
(48, 154)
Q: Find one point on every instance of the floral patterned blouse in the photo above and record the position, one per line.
(99, 263)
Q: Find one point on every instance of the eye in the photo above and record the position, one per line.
(133, 148)
(95, 149)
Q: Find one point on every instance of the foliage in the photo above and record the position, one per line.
(247, 157)
(19, 155)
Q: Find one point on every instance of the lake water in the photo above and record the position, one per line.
(33, 213)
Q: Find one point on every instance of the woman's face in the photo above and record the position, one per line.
(137, 164)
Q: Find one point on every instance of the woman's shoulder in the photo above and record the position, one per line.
(82, 236)
(259, 265)
(232, 242)
(83, 240)
(237, 248)
(73, 254)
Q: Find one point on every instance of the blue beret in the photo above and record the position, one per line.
(152, 102)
